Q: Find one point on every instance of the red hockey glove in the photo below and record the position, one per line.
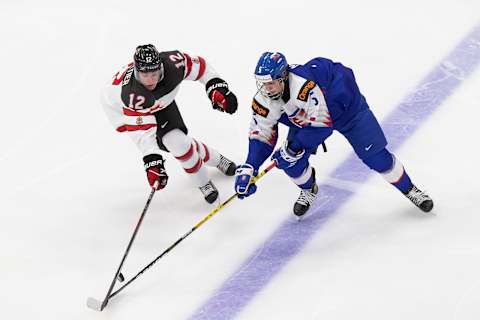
(154, 165)
(221, 97)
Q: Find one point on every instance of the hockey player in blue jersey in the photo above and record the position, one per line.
(313, 100)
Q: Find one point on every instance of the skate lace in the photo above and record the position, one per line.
(306, 197)
(207, 189)
(417, 196)
(224, 164)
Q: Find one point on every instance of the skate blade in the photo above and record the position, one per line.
(302, 217)
(94, 304)
(428, 213)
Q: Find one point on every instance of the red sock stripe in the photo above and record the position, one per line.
(196, 167)
(202, 68)
(187, 155)
(189, 64)
(197, 146)
(207, 154)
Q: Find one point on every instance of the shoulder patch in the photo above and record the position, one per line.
(259, 109)
(305, 90)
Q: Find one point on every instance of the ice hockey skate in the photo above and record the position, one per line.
(210, 192)
(420, 199)
(227, 166)
(304, 201)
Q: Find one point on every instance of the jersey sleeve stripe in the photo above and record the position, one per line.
(132, 113)
(128, 127)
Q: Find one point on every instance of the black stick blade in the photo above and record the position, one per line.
(94, 304)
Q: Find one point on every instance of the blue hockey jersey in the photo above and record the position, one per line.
(319, 97)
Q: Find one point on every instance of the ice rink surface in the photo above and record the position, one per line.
(72, 188)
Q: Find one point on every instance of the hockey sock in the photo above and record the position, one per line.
(391, 169)
(306, 179)
(210, 156)
(184, 149)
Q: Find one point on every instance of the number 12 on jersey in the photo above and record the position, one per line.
(140, 100)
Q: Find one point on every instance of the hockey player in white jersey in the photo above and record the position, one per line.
(313, 100)
(140, 101)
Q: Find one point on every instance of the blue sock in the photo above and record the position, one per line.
(404, 183)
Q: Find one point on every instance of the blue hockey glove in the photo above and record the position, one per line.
(286, 158)
(243, 178)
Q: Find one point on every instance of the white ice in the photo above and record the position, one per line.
(71, 188)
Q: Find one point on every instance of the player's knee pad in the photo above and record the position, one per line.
(381, 161)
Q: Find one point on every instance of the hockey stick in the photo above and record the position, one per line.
(211, 214)
(98, 305)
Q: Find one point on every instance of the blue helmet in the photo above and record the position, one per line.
(270, 67)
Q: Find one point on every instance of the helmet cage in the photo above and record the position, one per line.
(261, 81)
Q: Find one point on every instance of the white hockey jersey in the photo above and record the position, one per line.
(130, 107)
(302, 104)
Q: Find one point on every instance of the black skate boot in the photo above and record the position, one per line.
(227, 166)
(420, 198)
(210, 192)
(305, 199)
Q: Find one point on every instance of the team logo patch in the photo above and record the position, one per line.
(259, 109)
(304, 91)
(139, 121)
